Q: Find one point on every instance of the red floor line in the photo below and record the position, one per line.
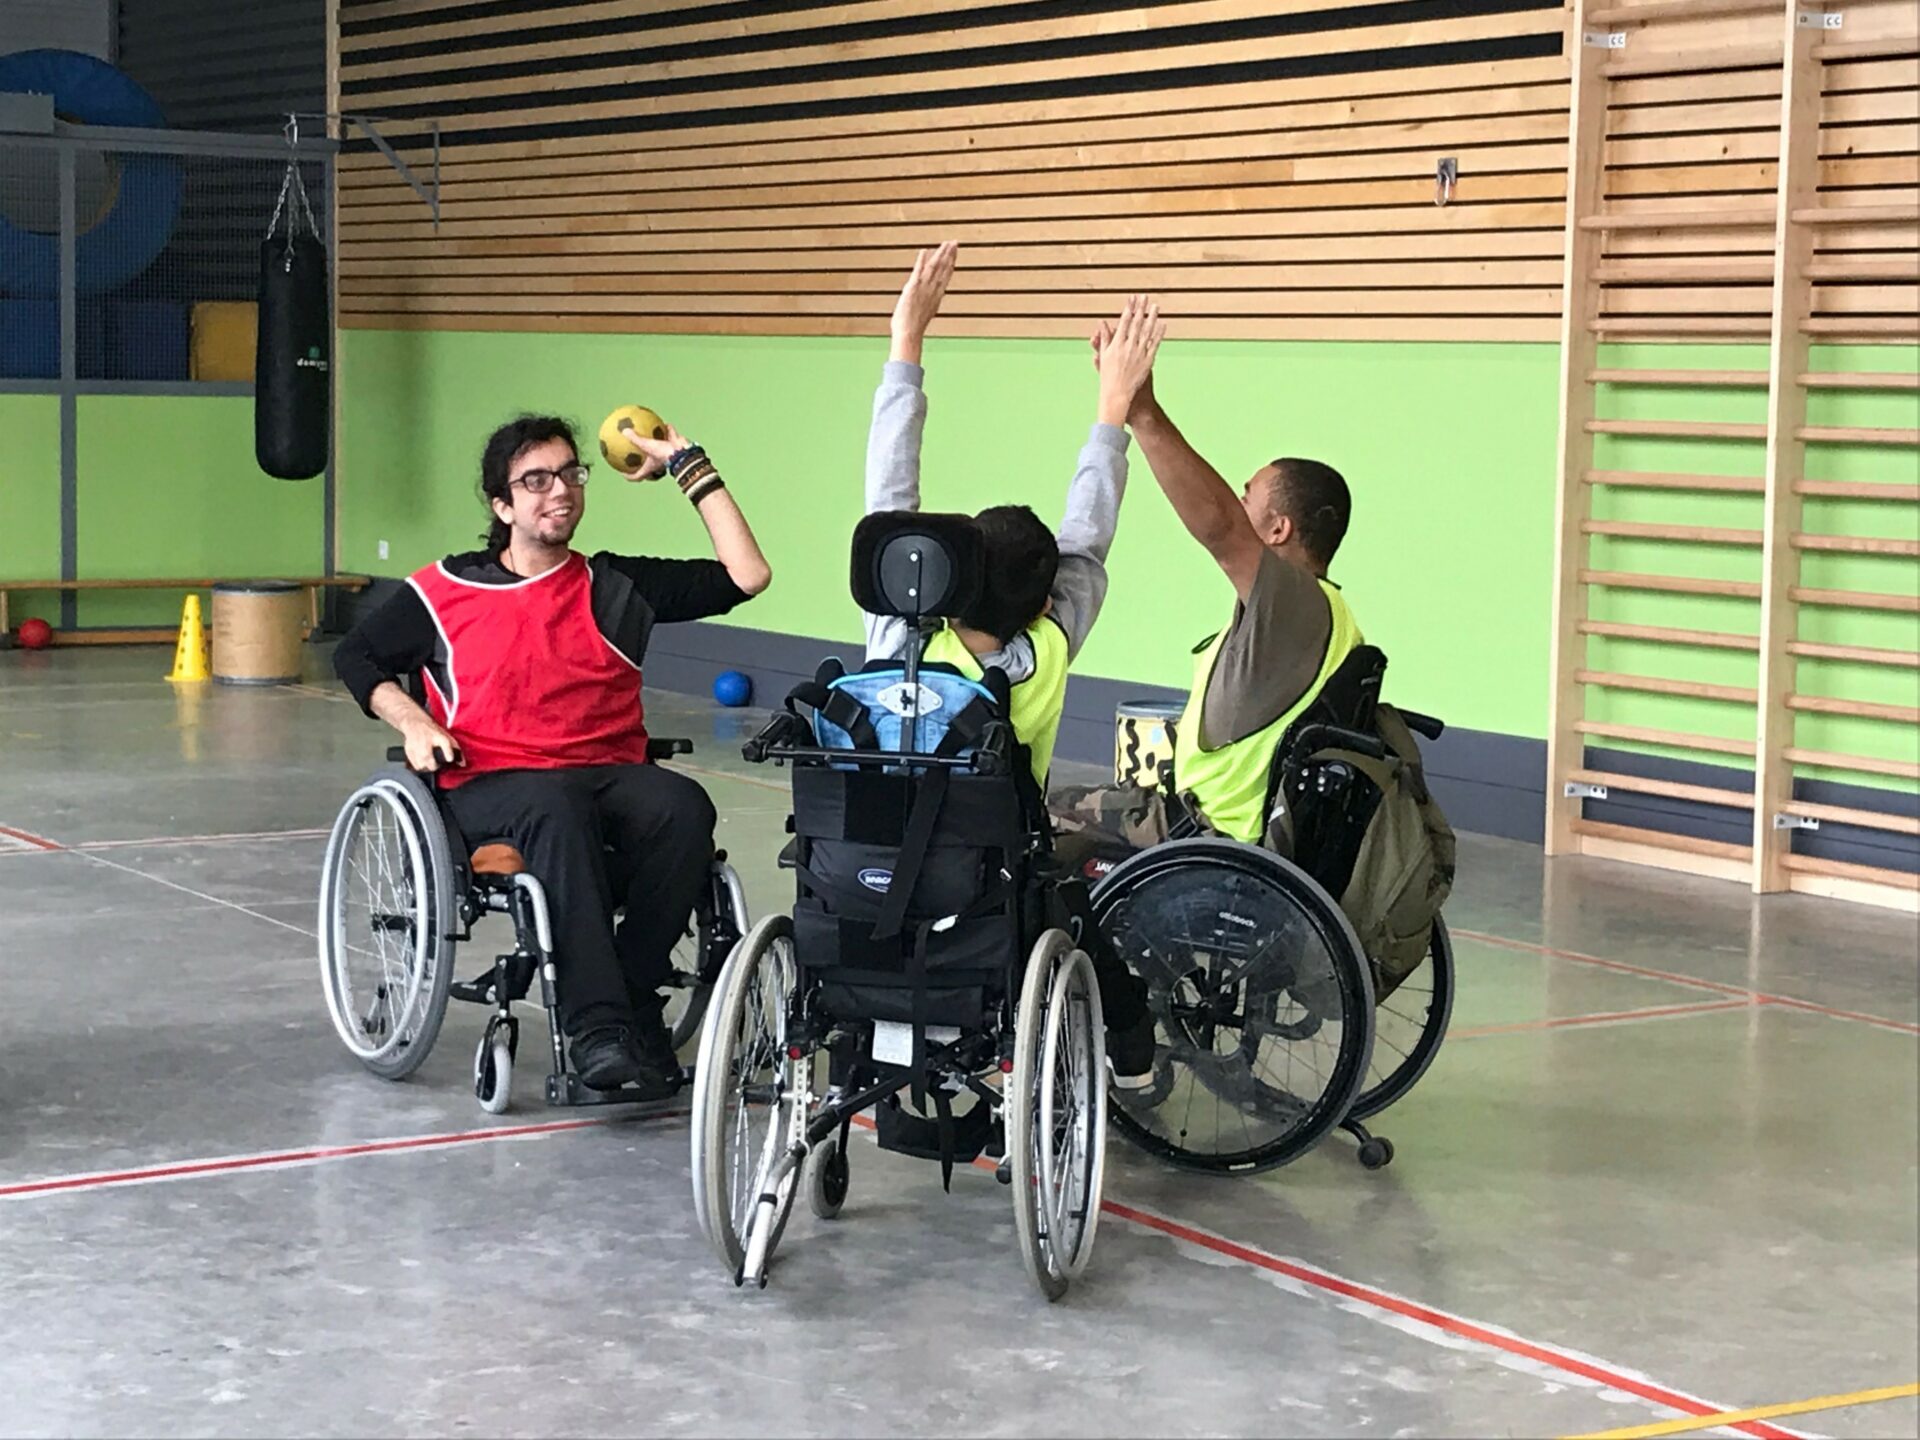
(1438, 1319)
(27, 837)
(1787, 1002)
(1603, 1017)
(1564, 1361)
(229, 1164)
(1758, 997)
(1318, 1279)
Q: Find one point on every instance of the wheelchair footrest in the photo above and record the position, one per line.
(567, 1091)
(483, 988)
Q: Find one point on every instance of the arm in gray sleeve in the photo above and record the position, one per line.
(893, 474)
(1086, 534)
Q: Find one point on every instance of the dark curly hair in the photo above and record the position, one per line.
(1021, 556)
(504, 446)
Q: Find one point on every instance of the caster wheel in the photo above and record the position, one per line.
(828, 1176)
(493, 1073)
(1377, 1153)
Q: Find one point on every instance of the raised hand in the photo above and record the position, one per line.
(1102, 333)
(920, 299)
(658, 452)
(1124, 354)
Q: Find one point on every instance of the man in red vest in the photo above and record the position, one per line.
(530, 656)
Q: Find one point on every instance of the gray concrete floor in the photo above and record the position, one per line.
(1716, 1198)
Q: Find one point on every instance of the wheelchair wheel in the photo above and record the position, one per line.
(750, 1104)
(1056, 1113)
(828, 1177)
(1263, 1007)
(386, 962)
(493, 1070)
(1408, 1027)
(714, 929)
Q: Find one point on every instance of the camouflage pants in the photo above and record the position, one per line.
(1097, 826)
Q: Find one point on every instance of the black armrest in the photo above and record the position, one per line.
(783, 729)
(660, 748)
(1336, 737)
(1423, 724)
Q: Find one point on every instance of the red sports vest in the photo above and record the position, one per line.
(532, 683)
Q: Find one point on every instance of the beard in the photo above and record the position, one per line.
(555, 531)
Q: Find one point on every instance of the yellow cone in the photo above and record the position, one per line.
(190, 652)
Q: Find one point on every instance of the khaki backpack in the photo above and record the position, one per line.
(1404, 869)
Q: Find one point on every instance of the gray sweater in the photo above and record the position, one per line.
(1085, 535)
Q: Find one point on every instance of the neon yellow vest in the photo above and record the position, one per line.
(1231, 783)
(1037, 700)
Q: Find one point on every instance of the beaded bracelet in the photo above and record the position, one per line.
(680, 459)
(694, 473)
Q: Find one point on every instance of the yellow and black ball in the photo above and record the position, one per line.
(617, 431)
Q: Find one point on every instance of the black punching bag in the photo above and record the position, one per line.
(290, 407)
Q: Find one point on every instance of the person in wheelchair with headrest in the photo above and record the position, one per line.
(1290, 631)
(534, 725)
(932, 954)
(1042, 593)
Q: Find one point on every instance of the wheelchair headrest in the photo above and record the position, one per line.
(917, 566)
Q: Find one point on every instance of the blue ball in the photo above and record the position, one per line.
(730, 687)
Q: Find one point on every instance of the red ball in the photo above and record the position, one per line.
(35, 633)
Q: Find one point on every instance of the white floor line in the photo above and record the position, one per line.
(197, 894)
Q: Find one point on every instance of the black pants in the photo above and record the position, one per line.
(563, 821)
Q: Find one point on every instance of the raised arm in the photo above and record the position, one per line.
(1100, 480)
(900, 402)
(900, 417)
(1205, 503)
(734, 545)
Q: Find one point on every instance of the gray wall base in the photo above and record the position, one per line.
(1488, 783)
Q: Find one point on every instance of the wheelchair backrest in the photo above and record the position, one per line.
(1318, 810)
(1349, 697)
(937, 711)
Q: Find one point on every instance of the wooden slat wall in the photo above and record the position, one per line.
(1264, 166)
(1700, 571)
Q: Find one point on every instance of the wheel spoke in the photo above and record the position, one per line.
(1251, 988)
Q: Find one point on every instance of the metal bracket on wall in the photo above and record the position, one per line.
(430, 196)
(369, 125)
(1784, 821)
(1581, 790)
(1604, 39)
(1817, 19)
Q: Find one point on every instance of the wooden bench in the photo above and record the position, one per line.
(155, 635)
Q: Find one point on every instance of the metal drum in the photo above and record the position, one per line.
(1143, 732)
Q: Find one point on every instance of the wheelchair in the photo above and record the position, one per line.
(401, 889)
(1273, 1025)
(928, 956)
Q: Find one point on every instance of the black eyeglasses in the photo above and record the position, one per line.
(538, 482)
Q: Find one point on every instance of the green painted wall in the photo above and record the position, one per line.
(1448, 448)
(167, 486)
(30, 497)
